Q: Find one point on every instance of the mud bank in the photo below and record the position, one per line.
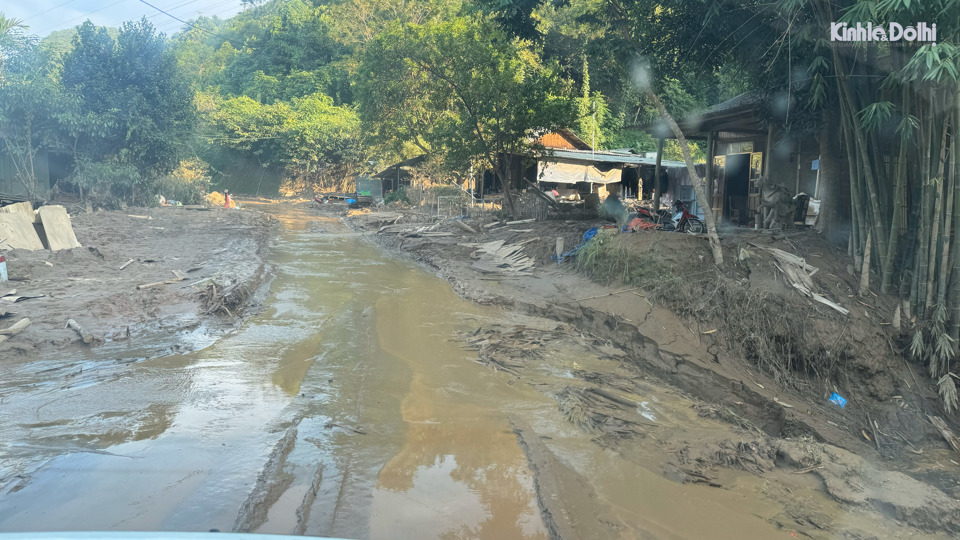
(148, 277)
(782, 431)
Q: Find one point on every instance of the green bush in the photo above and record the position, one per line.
(188, 183)
(399, 195)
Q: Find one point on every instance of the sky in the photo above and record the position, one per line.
(45, 16)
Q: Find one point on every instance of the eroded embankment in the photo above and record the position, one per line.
(847, 477)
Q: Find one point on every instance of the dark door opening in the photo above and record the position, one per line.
(736, 189)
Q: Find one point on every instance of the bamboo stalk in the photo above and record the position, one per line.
(931, 273)
(865, 274)
(947, 224)
(899, 201)
(955, 289)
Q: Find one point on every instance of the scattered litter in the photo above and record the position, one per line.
(838, 399)
(710, 331)
(782, 404)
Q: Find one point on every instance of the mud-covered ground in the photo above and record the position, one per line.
(210, 253)
(879, 454)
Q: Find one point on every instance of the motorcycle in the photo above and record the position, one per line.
(681, 220)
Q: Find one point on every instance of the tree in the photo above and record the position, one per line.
(11, 32)
(135, 106)
(33, 112)
(316, 141)
(486, 94)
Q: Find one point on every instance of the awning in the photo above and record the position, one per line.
(572, 173)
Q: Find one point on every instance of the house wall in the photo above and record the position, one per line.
(11, 185)
(555, 140)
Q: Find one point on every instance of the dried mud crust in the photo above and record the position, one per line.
(705, 357)
(218, 253)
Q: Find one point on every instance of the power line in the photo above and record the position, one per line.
(49, 10)
(190, 24)
(178, 6)
(79, 17)
(167, 24)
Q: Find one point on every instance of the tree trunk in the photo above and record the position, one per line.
(698, 187)
(657, 171)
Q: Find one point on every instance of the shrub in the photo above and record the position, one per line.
(400, 195)
(188, 183)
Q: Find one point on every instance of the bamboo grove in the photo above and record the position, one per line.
(895, 114)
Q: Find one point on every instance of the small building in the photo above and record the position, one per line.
(569, 165)
(745, 144)
(399, 174)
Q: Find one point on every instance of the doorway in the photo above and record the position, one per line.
(736, 189)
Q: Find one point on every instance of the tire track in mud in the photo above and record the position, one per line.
(272, 482)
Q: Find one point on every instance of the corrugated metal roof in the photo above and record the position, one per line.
(609, 157)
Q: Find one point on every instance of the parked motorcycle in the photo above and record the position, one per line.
(681, 220)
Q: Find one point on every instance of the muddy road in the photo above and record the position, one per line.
(355, 405)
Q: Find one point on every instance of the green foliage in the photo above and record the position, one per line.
(34, 111)
(189, 183)
(134, 108)
(606, 260)
(108, 180)
(460, 89)
(399, 195)
(309, 136)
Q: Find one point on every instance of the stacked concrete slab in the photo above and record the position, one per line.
(55, 229)
(47, 228)
(17, 232)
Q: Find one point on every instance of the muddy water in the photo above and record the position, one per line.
(343, 409)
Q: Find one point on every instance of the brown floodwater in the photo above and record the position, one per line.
(344, 408)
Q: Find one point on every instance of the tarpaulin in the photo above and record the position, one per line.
(571, 173)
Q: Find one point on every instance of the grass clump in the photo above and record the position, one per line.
(606, 260)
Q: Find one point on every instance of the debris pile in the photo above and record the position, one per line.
(506, 349)
(499, 257)
(798, 273)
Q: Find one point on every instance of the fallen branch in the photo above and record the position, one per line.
(158, 283)
(464, 226)
(607, 294)
(85, 336)
(126, 264)
(18, 327)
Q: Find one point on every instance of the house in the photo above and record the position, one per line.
(570, 166)
(399, 174)
(745, 143)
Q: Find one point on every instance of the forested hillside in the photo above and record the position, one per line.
(310, 92)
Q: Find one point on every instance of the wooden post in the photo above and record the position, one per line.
(766, 152)
(656, 178)
(711, 140)
(799, 153)
(766, 171)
